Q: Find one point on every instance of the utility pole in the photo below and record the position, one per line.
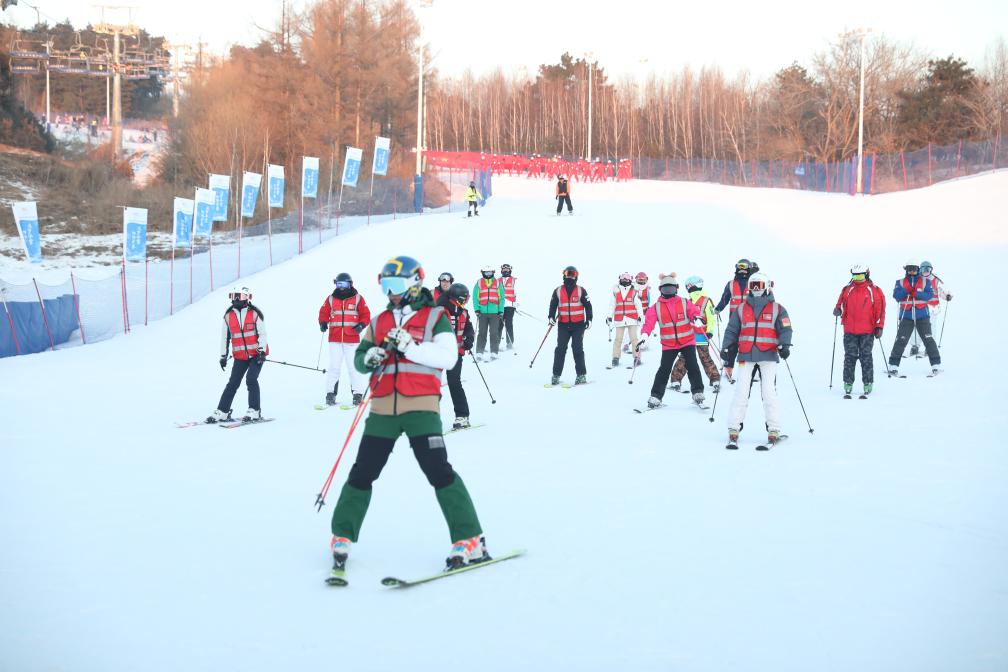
(176, 50)
(116, 30)
(590, 58)
(862, 34)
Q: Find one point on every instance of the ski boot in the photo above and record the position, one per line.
(698, 398)
(934, 371)
(510, 346)
(893, 371)
(555, 380)
(733, 435)
(330, 399)
(653, 402)
(252, 415)
(615, 362)
(357, 398)
(715, 386)
(847, 387)
(493, 356)
(868, 387)
(340, 547)
(461, 423)
(773, 436)
(467, 552)
(218, 416)
(583, 379)
(675, 387)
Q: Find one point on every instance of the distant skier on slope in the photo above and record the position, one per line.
(488, 302)
(245, 333)
(405, 348)
(913, 293)
(704, 337)
(454, 301)
(861, 307)
(344, 314)
(625, 315)
(510, 303)
(473, 197)
(563, 195)
(571, 311)
(759, 334)
(675, 317)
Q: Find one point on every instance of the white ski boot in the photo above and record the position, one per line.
(698, 398)
(252, 415)
(467, 552)
(653, 402)
(461, 423)
(218, 416)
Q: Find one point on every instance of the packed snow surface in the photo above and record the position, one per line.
(880, 542)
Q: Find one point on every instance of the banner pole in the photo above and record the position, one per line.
(269, 231)
(80, 325)
(45, 319)
(370, 197)
(123, 283)
(192, 239)
(300, 224)
(146, 285)
(210, 253)
(171, 281)
(10, 321)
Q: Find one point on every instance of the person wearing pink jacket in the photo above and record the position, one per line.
(675, 317)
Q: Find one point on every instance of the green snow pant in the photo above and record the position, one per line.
(424, 431)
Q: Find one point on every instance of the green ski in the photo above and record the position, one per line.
(393, 582)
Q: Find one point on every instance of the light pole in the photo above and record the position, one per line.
(418, 177)
(863, 33)
(589, 56)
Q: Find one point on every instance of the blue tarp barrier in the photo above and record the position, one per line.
(30, 326)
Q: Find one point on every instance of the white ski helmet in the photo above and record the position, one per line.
(243, 293)
(488, 271)
(759, 284)
(694, 281)
(858, 269)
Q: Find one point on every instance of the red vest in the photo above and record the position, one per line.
(570, 308)
(700, 302)
(244, 337)
(672, 327)
(488, 295)
(509, 288)
(933, 301)
(343, 317)
(437, 293)
(760, 331)
(911, 302)
(738, 294)
(459, 323)
(625, 308)
(402, 375)
(645, 297)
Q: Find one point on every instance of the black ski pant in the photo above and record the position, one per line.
(509, 312)
(488, 322)
(473, 207)
(668, 358)
(458, 394)
(249, 369)
(858, 347)
(374, 451)
(564, 198)
(903, 332)
(573, 333)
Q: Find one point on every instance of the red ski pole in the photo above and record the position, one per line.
(541, 344)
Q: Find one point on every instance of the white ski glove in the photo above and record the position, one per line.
(374, 357)
(399, 339)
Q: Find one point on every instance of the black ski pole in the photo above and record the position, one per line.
(297, 366)
(528, 315)
(944, 320)
(636, 358)
(318, 360)
(810, 430)
(885, 360)
(836, 321)
(541, 344)
(481, 376)
(714, 405)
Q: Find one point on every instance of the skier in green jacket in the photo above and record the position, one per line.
(405, 349)
(488, 302)
(473, 197)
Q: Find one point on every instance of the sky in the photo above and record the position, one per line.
(632, 38)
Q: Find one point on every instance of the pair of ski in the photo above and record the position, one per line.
(323, 407)
(462, 429)
(699, 407)
(568, 386)
(763, 447)
(903, 375)
(337, 577)
(223, 424)
(860, 396)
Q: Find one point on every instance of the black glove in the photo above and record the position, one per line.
(260, 356)
(878, 332)
(587, 324)
(710, 337)
(724, 354)
(837, 312)
(323, 326)
(223, 362)
(785, 351)
(360, 326)
(608, 321)
(467, 344)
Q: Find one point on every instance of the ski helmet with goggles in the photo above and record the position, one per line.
(446, 277)
(625, 279)
(858, 269)
(742, 265)
(505, 270)
(641, 278)
(240, 293)
(926, 267)
(694, 282)
(488, 271)
(570, 272)
(343, 281)
(458, 294)
(401, 276)
(759, 284)
(911, 267)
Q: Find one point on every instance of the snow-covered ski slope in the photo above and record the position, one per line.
(878, 543)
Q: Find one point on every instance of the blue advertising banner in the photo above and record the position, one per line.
(351, 166)
(26, 217)
(135, 234)
(220, 185)
(182, 218)
(203, 213)
(309, 176)
(381, 156)
(250, 193)
(275, 183)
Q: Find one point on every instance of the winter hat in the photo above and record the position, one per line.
(668, 279)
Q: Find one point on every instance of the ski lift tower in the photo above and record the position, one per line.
(109, 26)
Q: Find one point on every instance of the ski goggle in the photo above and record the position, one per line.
(570, 274)
(859, 277)
(462, 301)
(395, 285)
(444, 277)
(758, 286)
(343, 284)
(912, 270)
(742, 266)
(926, 270)
(625, 276)
(242, 295)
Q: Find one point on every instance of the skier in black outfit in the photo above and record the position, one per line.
(563, 195)
(571, 312)
(244, 334)
(453, 301)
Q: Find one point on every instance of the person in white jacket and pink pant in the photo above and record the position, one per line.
(625, 315)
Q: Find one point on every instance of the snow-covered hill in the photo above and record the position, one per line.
(880, 542)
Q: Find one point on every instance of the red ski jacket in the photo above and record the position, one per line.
(863, 306)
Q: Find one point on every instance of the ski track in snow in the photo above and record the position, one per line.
(878, 543)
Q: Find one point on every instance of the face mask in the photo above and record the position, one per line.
(624, 283)
(239, 303)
